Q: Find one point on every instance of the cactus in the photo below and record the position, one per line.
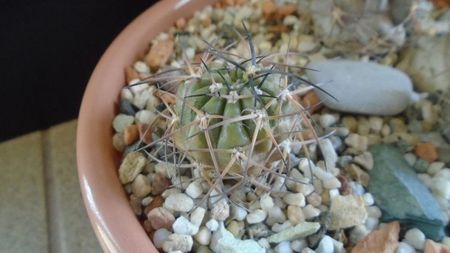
(234, 115)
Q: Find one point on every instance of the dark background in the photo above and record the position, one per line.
(48, 49)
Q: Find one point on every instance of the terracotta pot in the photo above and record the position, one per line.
(114, 223)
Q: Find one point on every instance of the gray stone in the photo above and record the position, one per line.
(361, 87)
(301, 230)
(401, 195)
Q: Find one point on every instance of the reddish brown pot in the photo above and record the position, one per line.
(113, 221)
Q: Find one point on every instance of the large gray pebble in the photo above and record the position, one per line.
(361, 87)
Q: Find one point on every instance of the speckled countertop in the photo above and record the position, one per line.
(41, 206)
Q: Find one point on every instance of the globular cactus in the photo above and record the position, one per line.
(234, 115)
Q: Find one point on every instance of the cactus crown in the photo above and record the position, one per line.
(233, 116)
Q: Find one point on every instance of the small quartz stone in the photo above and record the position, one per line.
(266, 202)
(403, 247)
(203, 236)
(283, 247)
(238, 213)
(121, 122)
(357, 142)
(415, 238)
(176, 242)
(297, 199)
(301, 230)
(310, 212)
(160, 236)
(347, 211)
(220, 210)
(141, 186)
(325, 245)
(194, 189)
(256, 216)
(295, 214)
(212, 225)
(179, 202)
(365, 160)
(197, 216)
(131, 166)
(184, 227)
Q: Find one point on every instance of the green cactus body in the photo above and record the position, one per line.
(226, 93)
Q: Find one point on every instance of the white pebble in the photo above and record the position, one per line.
(326, 120)
(145, 117)
(310, 212)
(179, 202)
(444, 173)
(307, 250)
(368, 199)
(256, 216)
(238, 213)
(435, 167)
(410, 158)
(141, 67)
(283, 247)
(403, 247)
(332, 183)
(371, 223)
(357, 142)
(203, 237)
(176, 242)
(197, 216)
(376, 123)
(263, 242)
(334, 193)
(160, 236)
(220, 210)
(298, 245)
(275, 215)
(441, 187)
(415, 238)
(357, 188)
(141, 186)
(325, 245)
(266, 202)
(329, 154)
(183, 226)
(131, 166)
(194, 189)
(446, 241)
(296, 199)
(358, 233)
(277, 227)
(212, 225)
(122, 121)
(374, 211)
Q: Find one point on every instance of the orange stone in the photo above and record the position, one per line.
(130, 134)
(441, 3)
(383, 240)
(131, 74)
(159, 54)
(278, 29)
(311, 101)
(269, 9)
(426, 151)
(156, 202)
(434, 247)
(145, 133)
(285, 10)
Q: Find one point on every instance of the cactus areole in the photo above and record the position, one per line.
(236, 112)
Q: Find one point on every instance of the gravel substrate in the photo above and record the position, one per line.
(332, 198)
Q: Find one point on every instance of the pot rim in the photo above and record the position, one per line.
(111, 216)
